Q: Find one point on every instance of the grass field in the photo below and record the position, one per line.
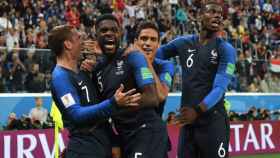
(259, 156)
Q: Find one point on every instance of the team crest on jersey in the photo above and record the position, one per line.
(119, 68)
(214, 56)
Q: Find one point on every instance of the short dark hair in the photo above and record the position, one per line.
(106, 16)
(146, 24)
(57, 36)
(211, 2)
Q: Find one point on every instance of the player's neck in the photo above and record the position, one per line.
(67, 63)
(110, 57)
(206, 36)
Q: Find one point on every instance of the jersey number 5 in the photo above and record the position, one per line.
(99, 82)
(189, 61)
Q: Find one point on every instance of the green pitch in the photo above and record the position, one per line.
(259, 156)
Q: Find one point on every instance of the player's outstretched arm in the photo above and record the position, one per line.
(68, 98)
(129, 98)
(170, 49)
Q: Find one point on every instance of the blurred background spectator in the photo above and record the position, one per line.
(38, 113)
(38, 118)
(254, 114)
(13, 123)
(171, 118)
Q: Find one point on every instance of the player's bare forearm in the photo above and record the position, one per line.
(149, 96)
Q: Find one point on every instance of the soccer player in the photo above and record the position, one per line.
(208, 65)
(76, 98)
(142, 132)
(147, 41)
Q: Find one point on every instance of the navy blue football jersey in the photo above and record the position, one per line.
(206, 69)
(83, 114)
(133, 72)
(76, 97)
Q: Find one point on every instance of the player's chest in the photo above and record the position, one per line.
(85, 90)
(110, 76)
(199, 57)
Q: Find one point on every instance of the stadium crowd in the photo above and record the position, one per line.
(253, 27)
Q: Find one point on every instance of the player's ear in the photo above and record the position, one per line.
(67, 44)
(135, 40)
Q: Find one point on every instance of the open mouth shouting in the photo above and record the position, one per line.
(215, 23)
(109, 44)
(147, 50)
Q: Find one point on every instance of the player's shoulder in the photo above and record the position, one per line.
(227, 49)
(58, 71)
(59, 74)
(135, 56)
(184, 39)
(225, 45)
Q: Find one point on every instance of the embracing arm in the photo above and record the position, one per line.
(144, 79)
(68, 98)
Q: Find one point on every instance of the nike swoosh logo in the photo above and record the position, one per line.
(191, 50)
(80, 83)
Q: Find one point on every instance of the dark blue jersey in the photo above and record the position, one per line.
(76, 98)
(206, 69)
(133, 72)
(165, 71)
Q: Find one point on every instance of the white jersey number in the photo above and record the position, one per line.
(189, 61)
(99, 82)
(137, 155)
(222, 151)
(86, 89)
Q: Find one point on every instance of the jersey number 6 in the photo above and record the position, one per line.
(189, 61)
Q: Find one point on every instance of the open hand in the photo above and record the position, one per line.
(91, 47)
(129, 98)
(187, 116)
(131, 48)
(88, 65)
